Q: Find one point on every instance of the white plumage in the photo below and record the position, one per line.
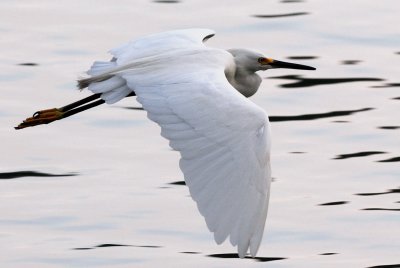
(197, 95)
(223, 137)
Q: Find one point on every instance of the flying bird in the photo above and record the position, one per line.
(198, 96)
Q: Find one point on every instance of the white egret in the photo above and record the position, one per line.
(198, 96)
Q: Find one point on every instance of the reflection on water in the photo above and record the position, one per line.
(28, 64)
(389, 127)
(358, 154)
(388, 85)
(390, 191)
(310, 82)
(117, 245)
(351, 62)
(20, 174)
(334, 203)
(302, 117)
(393, 159)
(235, 256)
(302, 57)
(386, 266)
(272, 16)
(134, 108)
(383, 209)
(178, 183)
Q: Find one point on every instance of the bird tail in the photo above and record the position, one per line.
(99, 71)
(105, 81)
(85, 82)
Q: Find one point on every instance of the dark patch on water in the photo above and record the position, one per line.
(134, 108)
(20, 174)
(28, 64)
(386, 266)
(359, 154)
(334, 203)
(388, 85)
(340, 121)
(272, 16)
(111, 245)
(390, 191)
(351, 62)
(166, 1)
(291, 1)
(297, 152)
(190, 252)
(389, 127)
(315, 116)
(328, 253)
(178, 183)
(310, 82)
(396, 98)
(398, 53)
(115, 245)
(393, 159)
(384, 209)
(302, 57)
(236, 256)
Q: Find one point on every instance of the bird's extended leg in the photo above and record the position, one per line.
(50, 115)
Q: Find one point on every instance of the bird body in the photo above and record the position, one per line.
(223, 138)
(197, 95)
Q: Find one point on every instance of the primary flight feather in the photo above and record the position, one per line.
(197, 95)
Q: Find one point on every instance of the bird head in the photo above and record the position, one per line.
(268, 63)
(254, 61)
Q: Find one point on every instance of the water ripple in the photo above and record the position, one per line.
(19, 174)
(116, 245)
(393, 159)
(386, 266)
(302, 57)
(358, 154)
(390, 191)
(384, 209)
(28, 64)
(300, 81)
(389, 127)
(334, 203)
(271, 16)
(235, 256)
(305, 117)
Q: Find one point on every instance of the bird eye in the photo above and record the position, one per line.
(260, 60)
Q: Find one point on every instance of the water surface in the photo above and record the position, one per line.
(103, 189)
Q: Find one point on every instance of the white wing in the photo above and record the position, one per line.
(223, 138)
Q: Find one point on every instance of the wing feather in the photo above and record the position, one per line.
(223, 138)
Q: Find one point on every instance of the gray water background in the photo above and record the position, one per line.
(336, 143)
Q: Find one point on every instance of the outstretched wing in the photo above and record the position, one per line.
(135, 52)
(224, 146)
(161, 42)
(223, 138)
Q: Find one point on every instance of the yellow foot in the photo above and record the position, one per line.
(41, 117)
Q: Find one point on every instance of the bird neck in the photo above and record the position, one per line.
(246, 82)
